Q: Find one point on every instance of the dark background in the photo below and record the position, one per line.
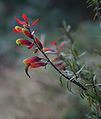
(51, 14)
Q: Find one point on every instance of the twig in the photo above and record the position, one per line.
(73, 81)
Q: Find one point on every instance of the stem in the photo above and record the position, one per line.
(98, 8)
(73, 81)
(70, 37)
(77, 83)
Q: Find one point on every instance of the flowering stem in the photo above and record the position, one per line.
(77, 83)
(73, 81)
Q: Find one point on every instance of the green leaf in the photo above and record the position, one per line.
(74, 52)
(61, 82)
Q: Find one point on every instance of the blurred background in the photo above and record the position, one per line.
(42, 97)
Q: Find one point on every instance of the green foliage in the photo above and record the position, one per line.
(85, 75)
(96, 4)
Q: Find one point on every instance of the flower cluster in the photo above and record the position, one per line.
(34, 42)
(35, 61)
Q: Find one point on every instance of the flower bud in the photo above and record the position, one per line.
(23, 42)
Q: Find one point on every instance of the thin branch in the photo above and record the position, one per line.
(73, 81)
(77, 83)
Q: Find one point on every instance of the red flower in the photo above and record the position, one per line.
(24, 42)
(62, 44)
(54, 43)
(25, 20)
(31, 45)
(27, 33)
(38, 64)
(20, 21)
(49, 50)
(30, 60)
(33, 62)
(34, 22)
(24, 16)
(17, 29)
(38, 42)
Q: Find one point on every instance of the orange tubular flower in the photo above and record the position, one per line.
(49, 51)
(54, 43)
(31, 45)
(17, 29)
(27, 33)
(62, 44)
(33, 62)
(19, 21)
(24, 42)
(38, 42)
(38, 64)
(34, 22)
(30, 60)
(25, 20)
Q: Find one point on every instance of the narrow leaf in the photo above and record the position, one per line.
(61, 83)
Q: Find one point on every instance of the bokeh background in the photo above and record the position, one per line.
(42, 97)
